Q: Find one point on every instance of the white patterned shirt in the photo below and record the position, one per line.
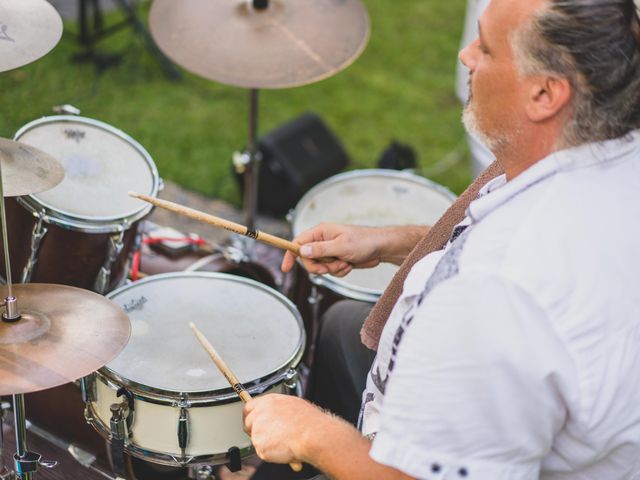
(515, 353)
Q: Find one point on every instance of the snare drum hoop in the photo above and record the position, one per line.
(71, 221)
(208, 397)
(336, 284)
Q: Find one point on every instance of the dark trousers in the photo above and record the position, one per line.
(338, 375)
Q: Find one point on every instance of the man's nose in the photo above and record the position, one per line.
(467, 57)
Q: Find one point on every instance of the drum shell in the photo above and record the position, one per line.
(65, 255)
(214, 426)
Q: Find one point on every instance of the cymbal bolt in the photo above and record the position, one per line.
(11, 313)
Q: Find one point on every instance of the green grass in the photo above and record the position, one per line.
(402, 87)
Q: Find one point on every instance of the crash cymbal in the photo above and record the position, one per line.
(26, 169)
(287, 44)
(29, 29)
(65, 333)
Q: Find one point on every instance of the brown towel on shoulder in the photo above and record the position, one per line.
(434, 240)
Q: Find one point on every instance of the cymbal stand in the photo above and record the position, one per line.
(248, 163)
(10, 303)
(5, 473)
(25, 462)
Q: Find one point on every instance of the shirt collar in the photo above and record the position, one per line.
(499, 190)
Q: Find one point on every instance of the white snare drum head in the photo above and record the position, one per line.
(372, 198)
(256, 331)
(101, 165)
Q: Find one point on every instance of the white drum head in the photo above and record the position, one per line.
(101, 165)
(256, 331)
(371, 198)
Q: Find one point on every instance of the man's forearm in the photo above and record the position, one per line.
(342, 453)
(398, 241)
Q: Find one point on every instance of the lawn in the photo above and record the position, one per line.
(402, 87)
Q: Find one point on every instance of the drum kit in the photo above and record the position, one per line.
(67, 222)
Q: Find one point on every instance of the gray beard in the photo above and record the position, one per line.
(470, 121)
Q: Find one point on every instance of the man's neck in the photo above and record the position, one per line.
(518, 156)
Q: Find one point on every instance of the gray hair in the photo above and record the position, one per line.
(595, 44)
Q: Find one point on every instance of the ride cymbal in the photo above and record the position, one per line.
(26, 169)
(64, 333)
(29, 29)
(287, 44)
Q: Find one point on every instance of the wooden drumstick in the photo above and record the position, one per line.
(231, 378)
(220, 222)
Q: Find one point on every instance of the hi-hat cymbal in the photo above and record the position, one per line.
(29, 29)
(65, 333)
(26, 169)
(289, 43)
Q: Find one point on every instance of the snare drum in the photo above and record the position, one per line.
(178, 407)
(81, 232)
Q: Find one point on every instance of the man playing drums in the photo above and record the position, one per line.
(514, 352)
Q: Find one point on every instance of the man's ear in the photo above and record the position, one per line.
(547, 97)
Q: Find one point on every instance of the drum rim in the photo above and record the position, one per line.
(73, 221)
(336, 284)
(158, 395)
(368, 172)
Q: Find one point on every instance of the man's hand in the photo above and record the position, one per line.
(287, 429)
(278, 425)
(337, 249)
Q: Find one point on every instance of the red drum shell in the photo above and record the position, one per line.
(65, 256)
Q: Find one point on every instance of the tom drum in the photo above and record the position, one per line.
(82, 231)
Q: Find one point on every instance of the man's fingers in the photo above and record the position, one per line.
(247, 417)
(370, 264)
(343, 271)
(320, 250)
(288, 261)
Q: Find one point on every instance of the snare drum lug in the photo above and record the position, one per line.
(37, 234)
(88, 389)
(129, 407)
(118, 422)
(183, 431)
(235, 461)
(116, 244)
(291, 380)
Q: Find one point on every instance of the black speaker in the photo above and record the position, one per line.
(295, 157)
